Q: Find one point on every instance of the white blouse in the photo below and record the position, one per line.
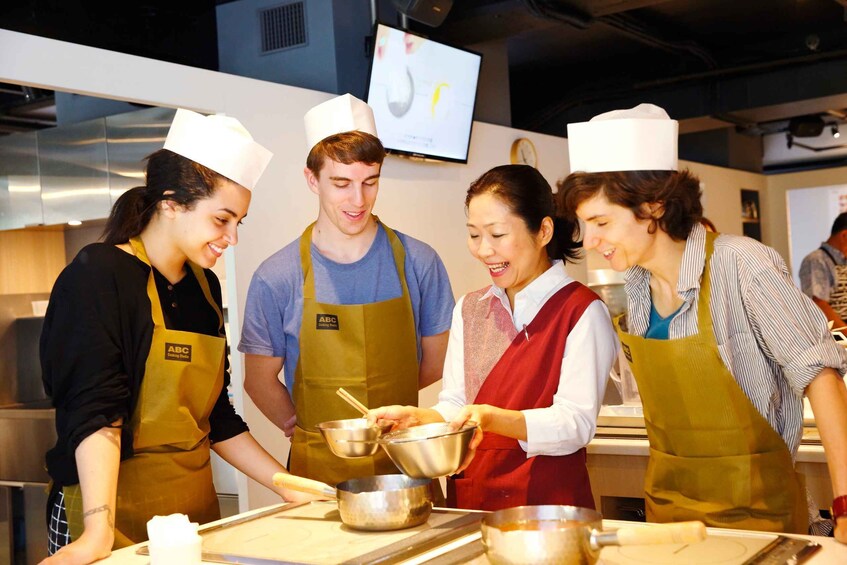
(569, 424)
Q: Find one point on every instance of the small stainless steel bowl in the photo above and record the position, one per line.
(429, 450)
(352, 438)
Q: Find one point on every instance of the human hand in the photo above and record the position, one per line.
(82, 551)
(841, 529)
(400, 417)
(475, 441)
(479, 413)
(288, 426)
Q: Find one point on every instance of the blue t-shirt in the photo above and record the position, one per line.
(274, 307)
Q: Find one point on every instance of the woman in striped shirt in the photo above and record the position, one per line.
(723, 346)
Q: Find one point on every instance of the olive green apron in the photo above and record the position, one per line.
(170, 470)
(369, 349)
(713, 456)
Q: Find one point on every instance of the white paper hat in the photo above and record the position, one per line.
(219, 143)
(341, 114)
(643, 138)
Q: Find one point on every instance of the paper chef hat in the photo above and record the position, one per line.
(643, 138)
(338, 115)
(219, 143)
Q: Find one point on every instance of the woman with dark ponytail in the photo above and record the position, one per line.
(528, 356)
(133, 350)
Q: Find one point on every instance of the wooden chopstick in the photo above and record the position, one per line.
(351, 400)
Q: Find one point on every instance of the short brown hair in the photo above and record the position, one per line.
(347, 147)
(678, 192)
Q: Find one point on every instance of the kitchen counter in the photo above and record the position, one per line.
(465, 549)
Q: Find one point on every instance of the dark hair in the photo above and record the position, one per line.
(678, 192)
(840, 224)
(529, 196)
(347, 147)
(169, 177)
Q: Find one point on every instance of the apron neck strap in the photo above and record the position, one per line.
(153, 293)
(306, 259)
(704, 313)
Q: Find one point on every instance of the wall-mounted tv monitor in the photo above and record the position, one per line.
(422, 93)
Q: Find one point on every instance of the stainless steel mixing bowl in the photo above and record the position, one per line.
(428, 450)
(352, 438)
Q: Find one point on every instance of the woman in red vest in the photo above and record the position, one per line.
(528, 356)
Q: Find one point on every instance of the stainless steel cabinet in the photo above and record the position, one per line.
(20, 185)
(74, 172)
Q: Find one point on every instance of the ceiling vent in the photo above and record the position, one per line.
(283, 27)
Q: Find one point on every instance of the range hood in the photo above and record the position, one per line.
(76, 172)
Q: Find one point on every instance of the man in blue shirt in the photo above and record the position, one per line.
(823, 273)
(350, 303)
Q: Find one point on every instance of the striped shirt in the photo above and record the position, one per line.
(771, 336)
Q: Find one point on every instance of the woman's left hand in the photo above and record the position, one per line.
(475, 441)
(479, 413)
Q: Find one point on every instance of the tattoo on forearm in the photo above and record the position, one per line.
(104, 508)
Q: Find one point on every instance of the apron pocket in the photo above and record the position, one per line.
(727, 490)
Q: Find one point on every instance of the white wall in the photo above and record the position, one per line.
(425, 200)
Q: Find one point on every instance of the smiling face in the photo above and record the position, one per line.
(203, 232)
(347, 195)
(501, 240)
(616, 233)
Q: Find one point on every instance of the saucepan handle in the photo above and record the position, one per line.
(678, 533)
(303, 484)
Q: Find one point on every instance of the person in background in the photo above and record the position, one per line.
(528, 356)
(133, 350)
(351, 303)
(723, 346)
(823, 274)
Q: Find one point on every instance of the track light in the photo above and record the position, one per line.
(789, 139)
(835, 133)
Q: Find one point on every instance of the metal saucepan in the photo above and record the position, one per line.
(568, 535)
(377, 503)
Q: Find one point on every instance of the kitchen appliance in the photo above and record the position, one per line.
(312, 533)
(376, 503)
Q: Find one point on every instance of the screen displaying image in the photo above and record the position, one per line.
(422, 94)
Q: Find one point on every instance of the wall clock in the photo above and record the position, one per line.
(523, 153)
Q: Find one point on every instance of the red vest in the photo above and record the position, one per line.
(526, 376)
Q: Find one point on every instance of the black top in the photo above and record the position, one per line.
(94, 346)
